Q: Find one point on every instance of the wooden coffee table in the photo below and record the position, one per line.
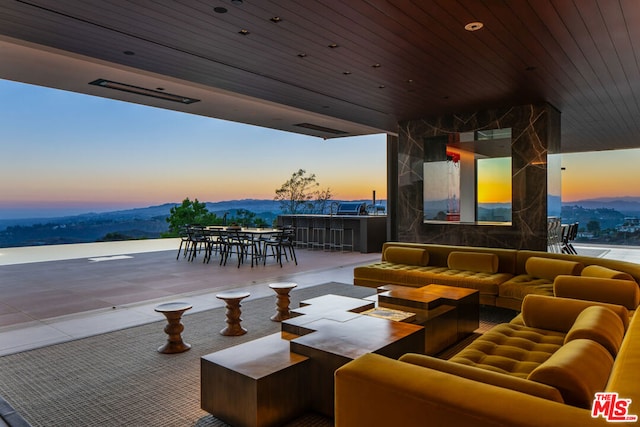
(447, 313)
(273, 379)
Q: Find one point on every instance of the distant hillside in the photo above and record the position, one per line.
(628, 206)
(138, 223)
(253, 205)
(150, 212)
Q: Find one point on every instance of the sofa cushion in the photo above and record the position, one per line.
(522, 285)
(485, 376)
(549, 268)
(485, 283)
(511, 349)
(409, 256)
(605, 273)
(578, 370)
(473, 261)
(613, 291)
(598, 324)
(382, 271)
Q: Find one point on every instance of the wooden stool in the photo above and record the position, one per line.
(173, 312)
(233, 298)
(282, 289)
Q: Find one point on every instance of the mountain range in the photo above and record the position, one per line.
(629, 206)
(257, 206)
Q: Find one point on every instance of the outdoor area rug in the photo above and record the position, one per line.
(119, 379)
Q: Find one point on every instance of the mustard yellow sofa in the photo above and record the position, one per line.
(542, 369)
(503, 277)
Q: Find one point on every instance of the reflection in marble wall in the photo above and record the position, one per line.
(535, 134)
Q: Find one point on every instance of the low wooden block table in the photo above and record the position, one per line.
(258, 383)
(268, 381)
(447, 313)
(467, 304)
(332, 343)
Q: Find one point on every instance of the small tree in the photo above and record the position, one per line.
(189, 212)
(244, 217)
(297, 193)
(322, 200)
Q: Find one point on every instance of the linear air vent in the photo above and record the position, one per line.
(143, 91)
(321, 128)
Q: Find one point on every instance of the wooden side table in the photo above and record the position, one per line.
(282, 290)
(232, 299)
(173, 312)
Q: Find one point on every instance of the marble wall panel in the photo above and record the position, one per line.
(535, 134)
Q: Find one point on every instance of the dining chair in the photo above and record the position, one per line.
(243, 245)
(281, 243)
(183, 233)
(198, 242)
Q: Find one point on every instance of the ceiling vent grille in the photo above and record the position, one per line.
(143, 91)
(321, 128)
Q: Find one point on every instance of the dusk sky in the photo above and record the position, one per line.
(66, 153)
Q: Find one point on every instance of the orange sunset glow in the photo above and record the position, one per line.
(76, 156)
(494, 180)
(600, 174)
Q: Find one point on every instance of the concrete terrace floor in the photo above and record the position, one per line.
(52, 294)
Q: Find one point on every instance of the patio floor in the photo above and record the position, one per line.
(53, 294)
(59, 293)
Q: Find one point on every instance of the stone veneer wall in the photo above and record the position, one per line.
(535, 134)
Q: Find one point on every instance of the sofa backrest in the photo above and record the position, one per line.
(439, 254)
(625, 375)
(627, 267)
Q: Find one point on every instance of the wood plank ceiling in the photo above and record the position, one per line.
(371, 62)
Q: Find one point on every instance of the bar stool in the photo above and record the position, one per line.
(318, 233)
(173, 312)
(336, 233)
(348, 243)
(232, 299)
(282, 289)
(301, 228)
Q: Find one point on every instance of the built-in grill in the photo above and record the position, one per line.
(352, 208)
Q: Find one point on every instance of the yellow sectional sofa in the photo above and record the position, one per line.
(502, 276)
(542, 369)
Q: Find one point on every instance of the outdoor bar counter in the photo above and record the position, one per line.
(369, 231)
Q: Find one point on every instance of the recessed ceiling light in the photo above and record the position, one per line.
(220, 9)
(302, 55)
(410, 81)
(376, 65)
(129, 52)
(333, 45)
(244, 32)
(276, 19)
(236, 2)
(381, 87)
(346, 73)
(474, 26)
